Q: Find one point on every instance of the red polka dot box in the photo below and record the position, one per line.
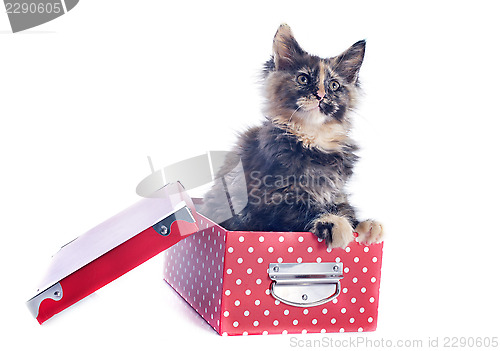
(275, 282)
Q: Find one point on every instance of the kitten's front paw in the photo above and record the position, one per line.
(370, 232)
(335, 230)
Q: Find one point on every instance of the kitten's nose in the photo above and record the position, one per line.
(321, 93)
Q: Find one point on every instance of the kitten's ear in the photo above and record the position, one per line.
(349, 62)
(285, 48)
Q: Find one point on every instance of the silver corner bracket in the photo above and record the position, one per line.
(55, 292)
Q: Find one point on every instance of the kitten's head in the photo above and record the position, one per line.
(309, 92)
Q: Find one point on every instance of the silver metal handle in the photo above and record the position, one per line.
(305, 297)
(305, 284)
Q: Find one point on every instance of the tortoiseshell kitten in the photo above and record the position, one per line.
(296, 164)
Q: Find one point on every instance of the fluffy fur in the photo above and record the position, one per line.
(296, 164)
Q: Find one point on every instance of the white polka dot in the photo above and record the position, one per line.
(341, 330)
(248, 292)
(305, 311)
(235, 324)
(266, 313)
(260, 260)
(224, 334)
(265, 332)
(275, 323)
(343, 310)
(258, 281)
(237, 302)
(299, 259)
(284, 332)
(333, 321)
(281, 239)
(346, 270)
(318, 259)
(245, 333)
(360, 329)
(261, 239)
(356, 259)
(344, 290)
(324, 311)
(230, 249)
(246, 313)
(373, 280)
(365, 269)
(329, 250)
(300, 239)
(348, 249)
(227, 292)
(366, 249)
(276, 302)
(229, 271)
(323, 331)
(226, 313)
(241, 239)
(295, 322)
(362, 310)
(314, 321)
(372, 299)
(257, 302)
(353, 300)
(250, 249)
(280, 259)
(354, 280)
(249, 271)
(363, 290)
(270, 249)
(268, 292)
(370, 319)
(374, 259)
(240, 260)
(309, 249)
(286, 312)
(256, 323)
(304, 331)
(290, 249)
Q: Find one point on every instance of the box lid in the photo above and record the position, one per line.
(114, 247)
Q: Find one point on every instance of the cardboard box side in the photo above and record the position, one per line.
(194, 268)
(248, 307)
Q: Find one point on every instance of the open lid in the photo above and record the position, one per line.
(115, 231)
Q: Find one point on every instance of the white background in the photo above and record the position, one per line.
(86, 98)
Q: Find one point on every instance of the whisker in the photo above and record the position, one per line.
(290, 119)
(285, 132)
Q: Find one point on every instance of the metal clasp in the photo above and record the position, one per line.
(305, 284)
(163, 227)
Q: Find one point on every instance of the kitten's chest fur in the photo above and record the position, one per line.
(279, 163)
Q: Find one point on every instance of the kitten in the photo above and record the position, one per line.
(296, 164)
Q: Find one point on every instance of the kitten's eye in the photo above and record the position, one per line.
(334, 85)
(303, 79)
